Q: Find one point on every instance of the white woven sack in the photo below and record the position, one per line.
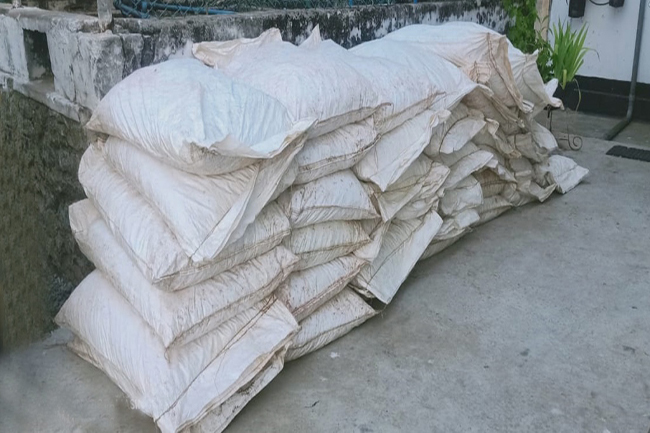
(376, 229)
(405, 92)
(464, 162)
(335, 197)
(457, 225)
(448, 82)
(465, 195)
(182, 316)
(331, 321)
(324, 242)
(417, 208)
(530, 82)
(309, 83)
(203, 375)
(561, 171)
(402, 246)
(477, 51)
(437, 246)
(461, 126)
(483, 99)
(203, 212)
(305, 291)
(144, 233)
(336, 151)
(217, 419)
(420, 182)
(195, 118)
(491, 183)
(491, 208)
(395, 152)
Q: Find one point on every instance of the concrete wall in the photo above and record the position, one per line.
(42, 138)
(612, 33)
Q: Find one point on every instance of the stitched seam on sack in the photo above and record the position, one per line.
(398, 249)
(239, 303)
(333, 330)
(331, 288)
(231, 343)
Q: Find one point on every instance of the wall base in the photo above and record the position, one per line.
(608, 97)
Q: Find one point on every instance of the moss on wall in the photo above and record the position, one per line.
(40, 263)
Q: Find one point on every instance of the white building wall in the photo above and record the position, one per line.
(612, 33)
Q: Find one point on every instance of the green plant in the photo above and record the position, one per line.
(568, 52)
(522, 33)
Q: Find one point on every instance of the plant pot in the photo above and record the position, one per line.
(570, 96)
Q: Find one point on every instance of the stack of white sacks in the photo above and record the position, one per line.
(245, 213)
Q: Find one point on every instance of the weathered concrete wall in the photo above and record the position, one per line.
(40, 148)
(348, 27)
(39, 261)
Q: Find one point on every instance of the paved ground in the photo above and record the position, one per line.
(536, 322)
(592, 125)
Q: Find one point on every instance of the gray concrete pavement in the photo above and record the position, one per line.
(594, 125)
(538, 321)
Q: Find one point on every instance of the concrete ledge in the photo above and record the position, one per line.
(41, 20)
(43, 91)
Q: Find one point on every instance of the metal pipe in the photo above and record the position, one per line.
(635, 71)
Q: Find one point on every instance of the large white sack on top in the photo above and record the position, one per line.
(395, 152)
(461, 126)
(195, 118)
(309, 83)
(465, 195)
(491, 208)
(401, 248)
(182, 316)
(530, 82)
(464, 162)
(201, 376)
(145, 236)
(324, 242)
(335, 197)
(305, 291)
(419, 182)
(331, 321)
(561, 171)
(405, 91)
(477, 51)
(450, 84)
(336, 151)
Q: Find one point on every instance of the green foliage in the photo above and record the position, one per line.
(522, 33)
(568, 52)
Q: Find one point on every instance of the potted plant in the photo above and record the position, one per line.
(566, 57)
